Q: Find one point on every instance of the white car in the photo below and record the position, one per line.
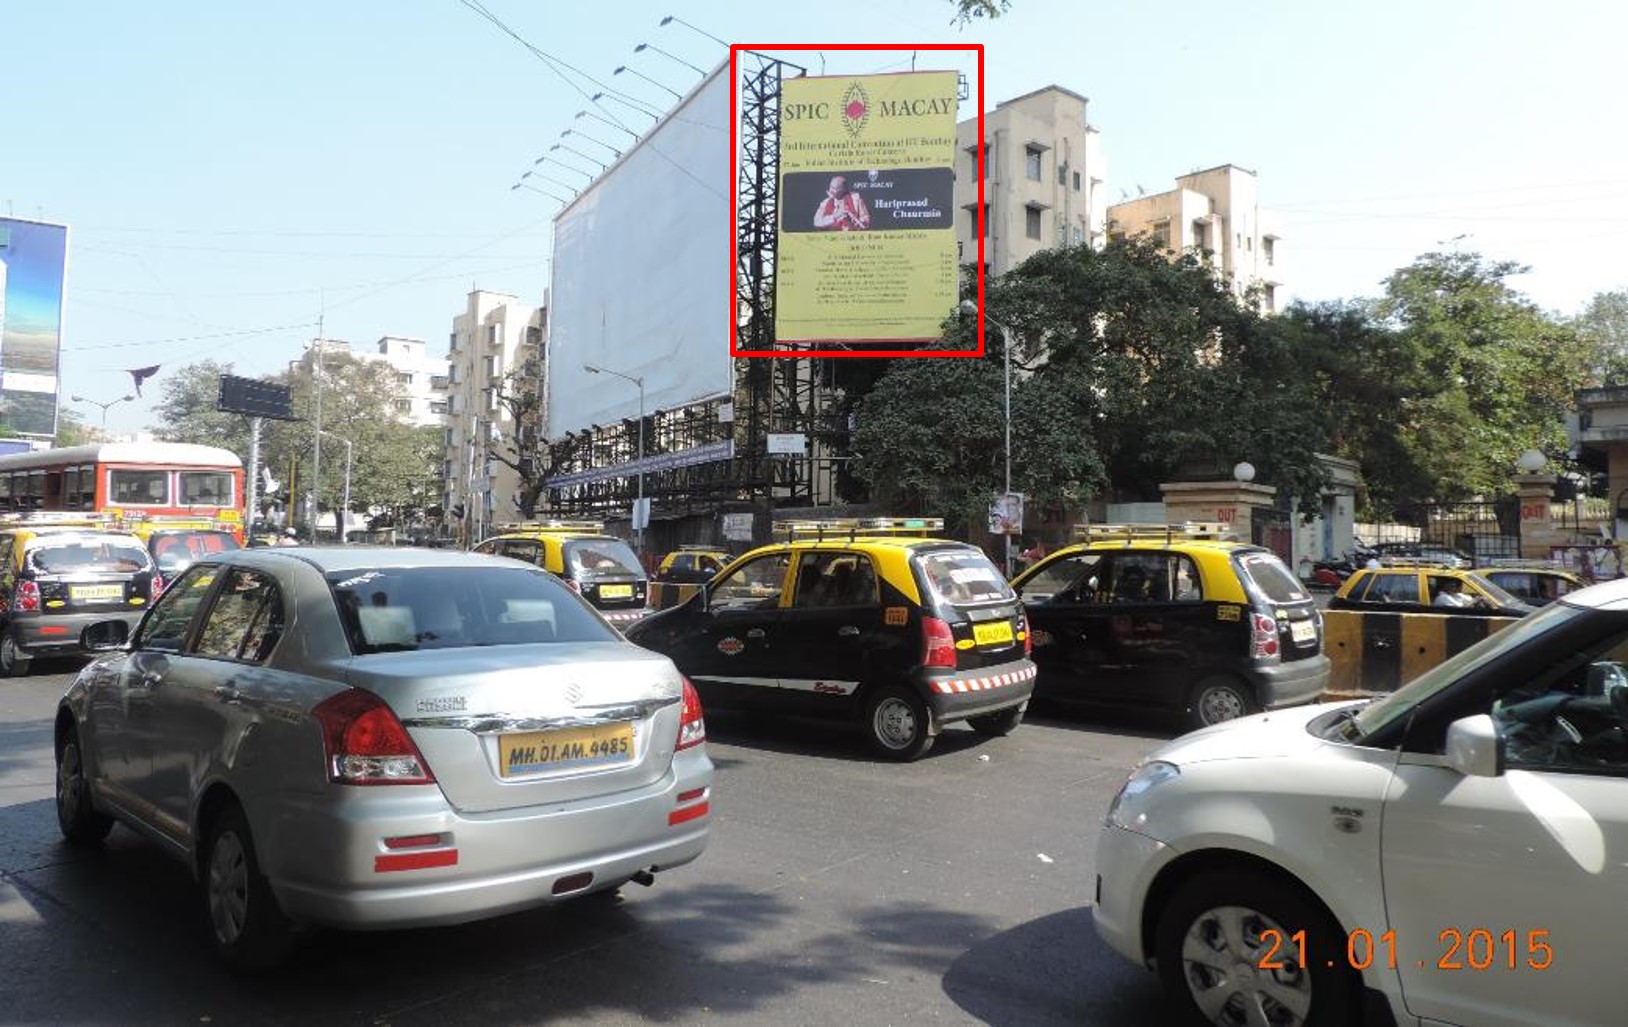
(1454, 853)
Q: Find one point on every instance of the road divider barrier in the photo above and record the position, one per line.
(1380, 652)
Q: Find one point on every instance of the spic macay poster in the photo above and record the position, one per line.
(866, 247)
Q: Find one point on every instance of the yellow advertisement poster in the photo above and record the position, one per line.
(866, 244)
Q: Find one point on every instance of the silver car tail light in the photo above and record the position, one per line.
(692, 729)
(366, 744)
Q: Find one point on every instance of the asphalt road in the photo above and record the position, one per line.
(835, 890)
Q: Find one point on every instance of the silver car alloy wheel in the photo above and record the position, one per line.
(1218, 704)
(895, 723)
(228, 887)
(70, 783)
(1221, 962)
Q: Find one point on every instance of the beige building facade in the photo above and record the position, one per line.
(1217, 211)
(1044, 176)
(496, 344)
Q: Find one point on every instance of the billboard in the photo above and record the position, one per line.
(866, 242)
(635, 274)
(33, 262)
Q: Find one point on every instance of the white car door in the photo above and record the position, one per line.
(1508, 894)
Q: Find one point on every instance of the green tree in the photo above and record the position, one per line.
(1480, 373)
(968, 11)
(186, 409)
(72, 429)
(1603, 324)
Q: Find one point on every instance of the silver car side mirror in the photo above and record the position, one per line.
(105, 635)
(1475, 746)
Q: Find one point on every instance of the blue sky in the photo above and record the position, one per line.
(230, 171)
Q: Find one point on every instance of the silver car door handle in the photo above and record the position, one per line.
(847, 630)
(755, 633)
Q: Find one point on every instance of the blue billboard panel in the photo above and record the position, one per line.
(33, 262)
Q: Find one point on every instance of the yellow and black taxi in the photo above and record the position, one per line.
(176, 542)
(60, 574)
(691, 565)
(1420, 586)
(871, 619)
(1172, 617)
(601, 568)
(1533, 584)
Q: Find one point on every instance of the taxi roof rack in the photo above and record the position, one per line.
(1418, 561)
(854, 527)
(1180, 531)
(551, 524)
(700, 548)
(65, 517)
(1520, 563)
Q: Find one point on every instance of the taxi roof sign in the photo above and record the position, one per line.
(853, 527)
(552, 525)
(1181, 531)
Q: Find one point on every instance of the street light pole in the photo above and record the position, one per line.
(104, 406)
(638, 532)
(969, 307)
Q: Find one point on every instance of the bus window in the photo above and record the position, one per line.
(128, 486)
(209, 488)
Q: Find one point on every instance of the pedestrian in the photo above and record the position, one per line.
(289, 537)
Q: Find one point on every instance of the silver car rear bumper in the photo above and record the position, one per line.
(504, 862)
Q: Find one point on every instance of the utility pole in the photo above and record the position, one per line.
(316, 437)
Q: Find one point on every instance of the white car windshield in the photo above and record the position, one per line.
(1399, 703)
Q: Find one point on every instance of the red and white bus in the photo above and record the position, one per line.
(128, 481)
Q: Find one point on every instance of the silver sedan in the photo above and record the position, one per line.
(379, 738)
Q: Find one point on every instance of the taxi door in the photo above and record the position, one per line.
(828, 631)
(1074, 648)
(729, 649)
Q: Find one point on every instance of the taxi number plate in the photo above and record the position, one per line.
(1303, 631)
(83, 592)
(576, 748)
(992, 632)
(616, 591)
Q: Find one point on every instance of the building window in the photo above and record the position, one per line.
(1076, 181)
(452, 342)
(1201, 235)
(438, 408)
(1268, 250)
(1159, 234)
(491, 335)
(1031, 163)
(404, 406)
(1269, 299)
(1062, 176)
(404, 378)
(1079, 235)
(986, 161)
(1031, 222)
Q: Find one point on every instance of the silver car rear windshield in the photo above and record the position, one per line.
(402, 609)
(964, 577)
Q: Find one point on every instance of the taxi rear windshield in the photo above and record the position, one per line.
(88, 557)
(964, 577)
(410, 608)
(599, 557)
(1272, 578)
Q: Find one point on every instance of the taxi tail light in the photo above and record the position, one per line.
(692, 727)
(1028, 636)
(158, 585)
(27, 597)
(1264, 636)
(938, 643)
(366, 743)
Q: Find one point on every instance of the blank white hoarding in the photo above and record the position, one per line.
(641, 284)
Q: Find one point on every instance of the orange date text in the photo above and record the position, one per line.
(1457, 949)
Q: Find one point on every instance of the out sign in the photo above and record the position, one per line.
(1226, 514)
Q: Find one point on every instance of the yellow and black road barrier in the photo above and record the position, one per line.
(1380, 652)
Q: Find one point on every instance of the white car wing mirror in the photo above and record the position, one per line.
(1475, 746)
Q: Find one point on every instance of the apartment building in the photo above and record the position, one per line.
(1217, 211)
(496, 345)
(423, 378)
(1044, 179)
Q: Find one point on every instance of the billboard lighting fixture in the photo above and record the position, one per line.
(568, 149)
(640, 106)
(642, 47)
(545, 192)
(564, 165)
(631, 71)
(612, 124)
(538, 174)
(591, 139)
(692, 28)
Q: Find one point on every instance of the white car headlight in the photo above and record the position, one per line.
(1142, 779)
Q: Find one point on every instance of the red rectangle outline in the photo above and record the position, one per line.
(735, 50)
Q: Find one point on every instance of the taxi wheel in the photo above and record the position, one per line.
(896, 723)
(997, 725)
(13, 662)
(1218, 699)
(250, 931)
(1217, 930)
(76, 815)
